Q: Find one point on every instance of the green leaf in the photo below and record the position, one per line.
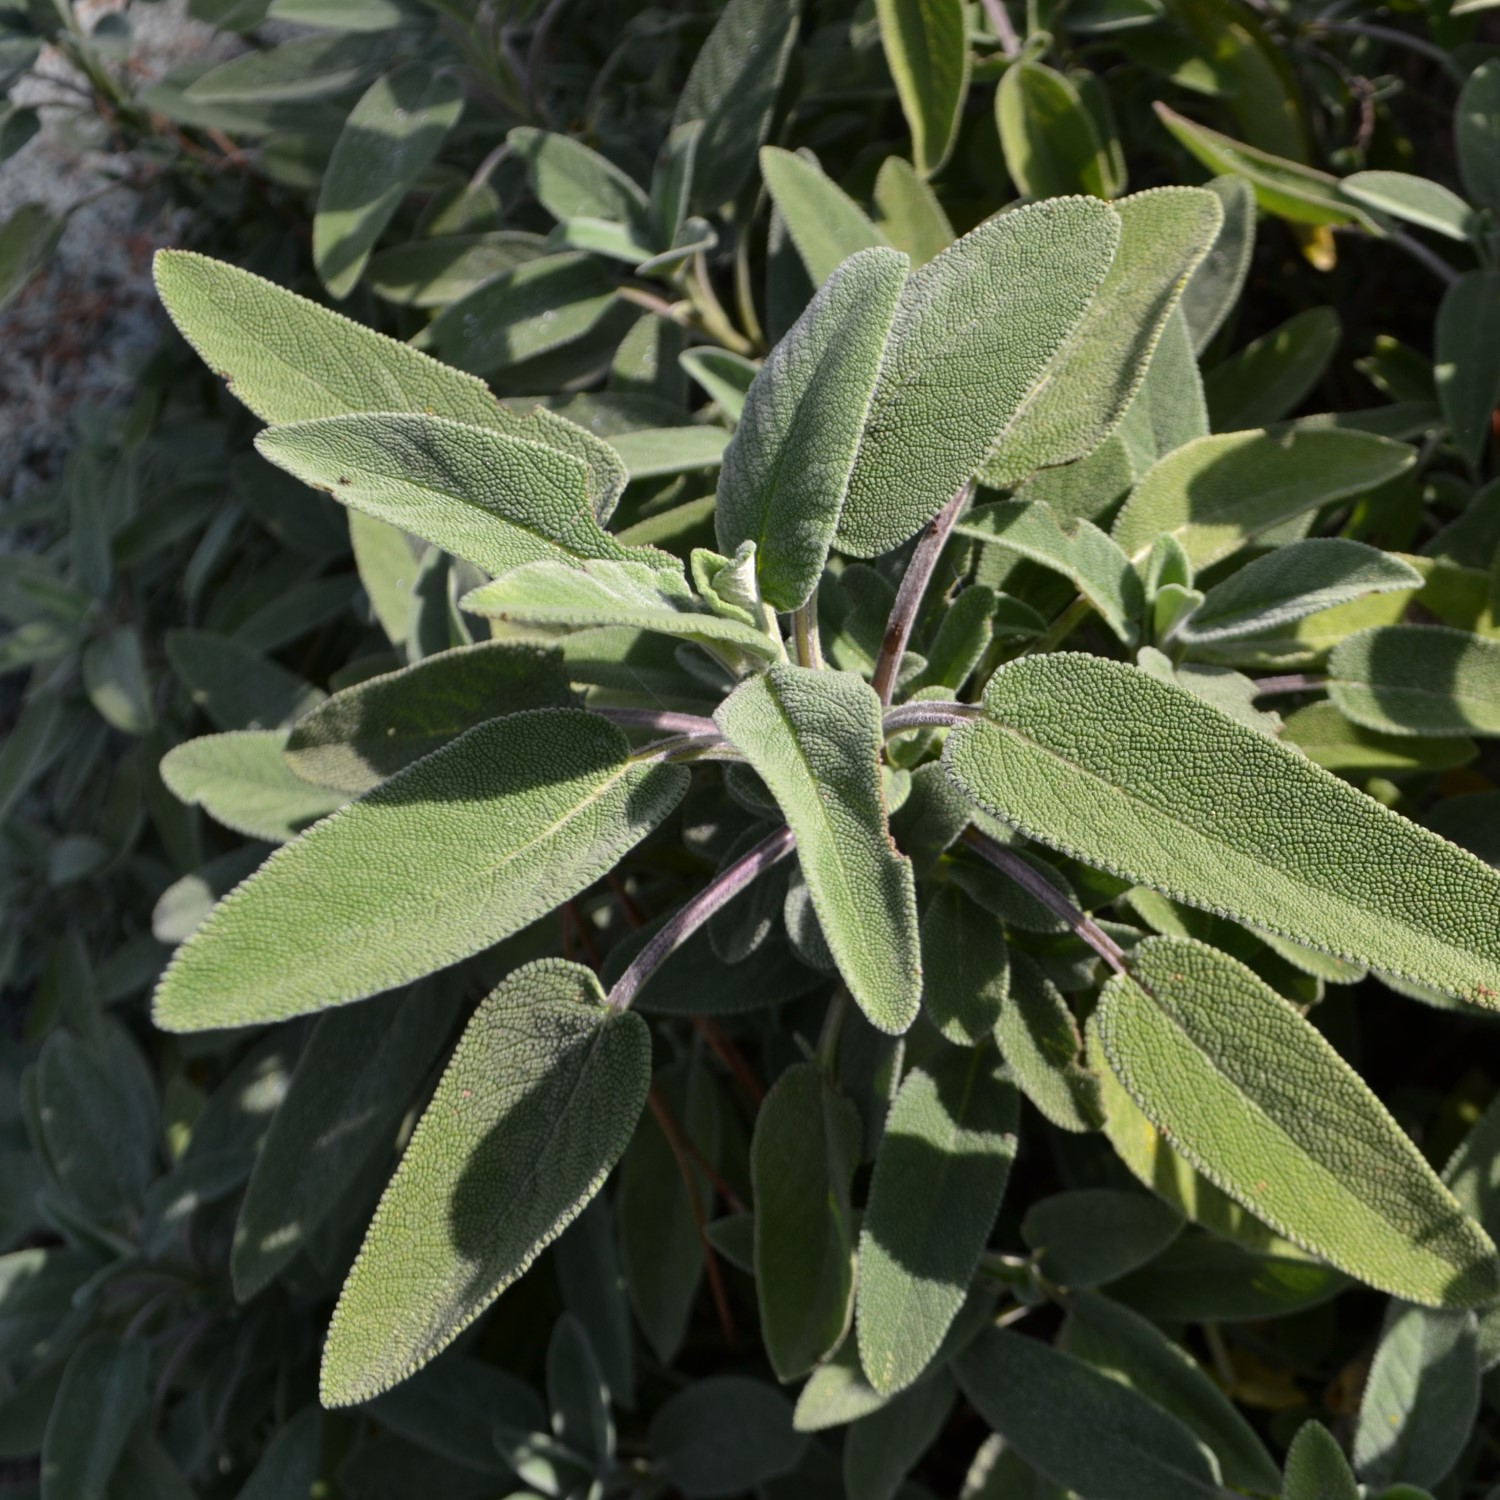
(600, 593)
(463, 848)
(653, 452)
(802, 1159)
(435, 272)
(926, 46)
(1272, 375)
(722, 1435)
(1315, 1467)
(732, 88)
(571, 181)
(787, 469)
(1082, 1429)
(353, 1082)
(815, 738)
(489, 497)
(1091, 1236)
(1106, 764)
(1294, 581)
(883, 1448)
(908, 212)
(238, 688)
(577, 1394)
(1090, 560)
(586, 1260)
(1048, 135)
(726, 377)
(1418, 680)
(101, 1399)
(1420, 1400)
(1467, 360)
(243, 781)
(390, 138)
(1215, 287)
(289, 1466)
(27, 239)
(1164, 235)
(307, 67)
(672, 179)
(1218, 494)
(114, 676)
(367, 732)
(1124, 1345)
(1473, 1171)
(975, 334)
(965, 967)
(940, 1174)
(825, 223)
(536, 1106)
(1476, 133)
(1230, 1070)
(1039, 1040)
(1418, 200)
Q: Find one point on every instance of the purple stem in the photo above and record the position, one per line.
(687, 919)
(919, 715)
(660, 719)
(1293, 682)
(1085, 926)
(909, 596)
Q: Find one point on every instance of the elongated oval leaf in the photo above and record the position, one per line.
(571, 181)
(786, 470)
(1418, 200)
(975, 332)
(536, 1106)
(101, 1399)
(238, 688)
(1476, 131)
(1270, 376)
(1316, 1468)
(1260, 1102)
(1215, 286)
(802, 1160)
(1467, 360)
(1417, 680)
(825, 223)
(1091, 1236)
(447, 857)
(1218, 494)
(370, 731)
(723, 1435)
(1147, 781)
(927, 50)
(939, 1177)
(1047, 134)
(815, 739)
(388, 141)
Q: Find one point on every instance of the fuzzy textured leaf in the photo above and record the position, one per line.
(1417, 680)
(927, 50)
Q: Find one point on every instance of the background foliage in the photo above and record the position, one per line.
(572, 202)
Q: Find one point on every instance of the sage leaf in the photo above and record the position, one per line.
(354, 1080)
(1040, 1043)
(307, 67)
(1467, 360)
(1082, 1429)
(1218, 494)
(484, 495)
(726, 378)
(654, 452)
(1316, 1469)
(1216, 1058)
(1420, 1400)
(975, 333)
(98, 1404)
(242, 781)
(1418, 200)
(368, 732)
(1091, 1236)
(1214, 288)
(1104, 762)
(787, 468)
(940, 1174)
(1325, 736)
(1476, 132)
(965, 967)
(577, 1394)
(908, 212)
(1125, 1345)
(289, 1465)
(724, 1434)
(1271, 376)
(1417, 680)
(390, 138)
(571, 181)
(534, 1109)
(435, 272)
(1294, 581)
(926, 46)
(1164, 235)
(452, 854)
(815, 738)
(883, 1448)
(27, 239)
(1047, 134)
(238, 688)
(825, 223)
(586, 1259)
(114, 677)
(802, 1159)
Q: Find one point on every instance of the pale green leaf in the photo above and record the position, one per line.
(101, 1399)
(825, 223)
(802, 1159)
(672, 179)
(1143, 779)
(1048, 135)
(1420, 1400)
(976, 332)
(1218, 494)
(1169, 410)
(1473, 1171)
(571, 181)
(1294, 581)
(1467, 360)
(1082, 1429)
(1164, 235)
(1090, 1236)
(388, 562)
(1418, 680)
(242, 781)
(723, 1435)
(452, 854)
(940, 1174)
(534, 1109)
(1418, 200)
(787, 469)
(370, 731)
(1316, 1469)
(235, 687)
(908, 213)
(1092, 561)
(492, 498)
(1215, 287)
(1260, 1102)
(1270, 377)
(1324, 735)
(656, 451)
(1476, 132)
(926, 46)
(306, 67)
(353, 1082)
(815, 738)
(725, 377)
(391, 137)
(435, 272)
(1040, 1043)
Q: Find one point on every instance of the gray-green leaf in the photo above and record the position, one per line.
(1090, 1236)
(926, 46)
(1417, 680)
(1467, 360)
(98, 1404)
